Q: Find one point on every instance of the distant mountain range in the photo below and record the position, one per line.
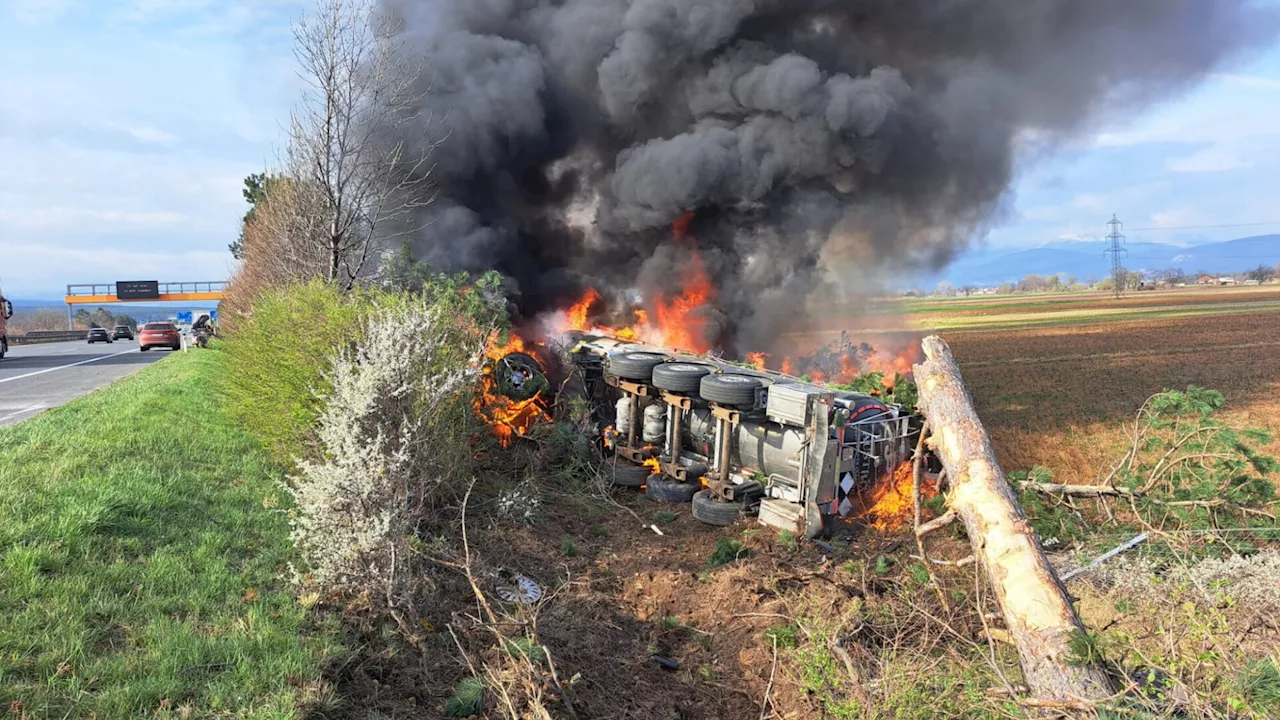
(1084, 260)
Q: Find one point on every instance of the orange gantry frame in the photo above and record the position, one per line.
(169, 292)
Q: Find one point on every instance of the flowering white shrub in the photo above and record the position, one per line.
(387, 442)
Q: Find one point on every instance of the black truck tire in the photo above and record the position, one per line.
(635, 365)
(730, 389)
(624, 473)
(681, 377)
(715, 512)
(660, 489)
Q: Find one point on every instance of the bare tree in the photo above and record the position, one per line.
(350, 169)
(1261, 274)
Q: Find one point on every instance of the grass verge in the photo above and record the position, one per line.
(141, 561)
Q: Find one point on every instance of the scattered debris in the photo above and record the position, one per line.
(522, 590)
(665, 663)
(1132, 542)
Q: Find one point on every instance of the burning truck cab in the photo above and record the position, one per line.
(732, 440)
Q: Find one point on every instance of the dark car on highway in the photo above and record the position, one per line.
(159, 334)
(99, 335)
(122, 332)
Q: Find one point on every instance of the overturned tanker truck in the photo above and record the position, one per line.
(735, 441)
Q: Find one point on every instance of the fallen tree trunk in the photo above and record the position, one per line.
(1039, 617)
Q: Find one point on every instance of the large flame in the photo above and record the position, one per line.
(507, 418)
(676, 321)
(889, 505)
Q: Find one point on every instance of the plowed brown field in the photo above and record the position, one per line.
(1058, 395)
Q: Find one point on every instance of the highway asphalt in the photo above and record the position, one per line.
(34, 378)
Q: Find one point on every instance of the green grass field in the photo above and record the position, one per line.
(142, 562)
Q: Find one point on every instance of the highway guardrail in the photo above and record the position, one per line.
(44, 336)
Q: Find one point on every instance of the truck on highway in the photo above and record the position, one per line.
(6, 312)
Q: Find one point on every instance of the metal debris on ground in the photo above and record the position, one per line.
(522, 590)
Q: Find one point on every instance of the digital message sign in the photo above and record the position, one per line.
(138, 289)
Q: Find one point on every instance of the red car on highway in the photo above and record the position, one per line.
(159, 334)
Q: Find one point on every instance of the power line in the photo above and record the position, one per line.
(1205, 227)
(1116, 252)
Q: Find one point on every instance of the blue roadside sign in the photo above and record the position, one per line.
(213, 314)
(184, 317)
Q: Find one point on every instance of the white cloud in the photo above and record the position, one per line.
(38, 12)
(1215, 158)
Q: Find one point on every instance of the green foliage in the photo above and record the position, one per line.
(727, 551)
(919, 573)
(567, 448)
(787, 539)
(256, 189)
(783, 636)
(1185, 469)
(277, 360)
(143, 551)
(525, 648)
(467, 700)
(883, 564)
(902, 391)
(670, 622)
(403, 273)
(568, 548)
(1260, 686)
(663, 517)
(278, 357)
(1082, 649)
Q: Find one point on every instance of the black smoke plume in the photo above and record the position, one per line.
(821, 143)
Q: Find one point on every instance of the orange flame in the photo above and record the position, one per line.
(506, 417)
(758, 359)
(579, 311)
(676, 320)
(652, 464)
(889, 505)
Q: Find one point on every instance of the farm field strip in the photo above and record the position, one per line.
(1091, 316)
(1158, 352)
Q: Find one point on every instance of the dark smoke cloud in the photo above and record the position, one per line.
(820, 142)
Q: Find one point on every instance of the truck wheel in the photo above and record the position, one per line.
(636, 366)
(681, 377)
(660, 489)
(624, 473)
(730, 389)
(715, 512)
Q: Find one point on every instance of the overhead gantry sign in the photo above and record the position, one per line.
(143, 291)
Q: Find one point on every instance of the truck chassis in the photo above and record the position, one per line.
(736, 441)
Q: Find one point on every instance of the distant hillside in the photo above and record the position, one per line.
(988, 267)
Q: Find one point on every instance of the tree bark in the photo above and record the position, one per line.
(1036, 610)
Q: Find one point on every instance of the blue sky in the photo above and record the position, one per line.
(127, 127)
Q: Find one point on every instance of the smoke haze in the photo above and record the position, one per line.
(821, 143)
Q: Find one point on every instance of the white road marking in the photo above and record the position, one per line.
(23, 411)
(64, 367)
